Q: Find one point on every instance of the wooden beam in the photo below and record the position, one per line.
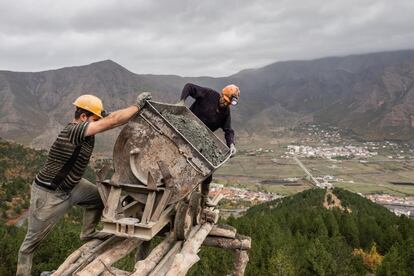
(240, 242)
(188, 255)
(161, 204)
(106, 259)
(223, 230)
(112, 203)
(146, 266)
(88, 256)
(146, 216)
(166, 262)
(85, 248)
(241, 258)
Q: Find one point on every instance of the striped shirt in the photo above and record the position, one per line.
(71, 137)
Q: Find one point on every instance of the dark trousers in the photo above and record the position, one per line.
(205, 185)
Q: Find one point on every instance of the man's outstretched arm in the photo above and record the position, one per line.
(117, 118)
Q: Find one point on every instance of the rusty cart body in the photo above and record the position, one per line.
(157, 172)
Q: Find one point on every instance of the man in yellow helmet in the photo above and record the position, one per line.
(213, 109)
(59, 184)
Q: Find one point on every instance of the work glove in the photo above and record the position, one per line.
(233, 150)
(142, 98)
(180, 103)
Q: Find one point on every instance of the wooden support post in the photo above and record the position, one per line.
(103, 192)
(241, 258)
(161, 205)
(106, 259)
(112, 203)
(169, 184)
(88, 256)
(149, 205)
(102, 189)
(146, 266)
(188, 255)
(75, 256)
(166, 262)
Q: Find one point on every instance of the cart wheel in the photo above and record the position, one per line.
(195, 207)
(182, 221)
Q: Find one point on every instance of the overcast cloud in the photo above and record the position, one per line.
(196, 38)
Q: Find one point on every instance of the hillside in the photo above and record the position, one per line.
(370, 94)
(298, 236)
(18, 167)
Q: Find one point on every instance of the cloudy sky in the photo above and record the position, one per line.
(196, 38)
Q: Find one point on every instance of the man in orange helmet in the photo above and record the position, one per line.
(59, 184)
(213, 109)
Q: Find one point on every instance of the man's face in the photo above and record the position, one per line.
(93, 118)
(89, 119)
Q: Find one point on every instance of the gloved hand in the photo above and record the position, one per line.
(145, 96)
(180, 103)
(233, 150)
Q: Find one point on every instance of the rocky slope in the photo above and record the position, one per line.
(371, 94)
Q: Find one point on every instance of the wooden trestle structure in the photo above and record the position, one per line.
(171, 257)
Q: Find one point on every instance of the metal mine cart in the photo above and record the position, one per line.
(157, 174)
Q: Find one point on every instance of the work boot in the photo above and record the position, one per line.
(95, 235)
(24, 264)
(91, 218)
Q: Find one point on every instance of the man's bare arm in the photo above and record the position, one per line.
(115, 119)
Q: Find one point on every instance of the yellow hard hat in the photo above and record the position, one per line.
(230, 91)
(90, 103)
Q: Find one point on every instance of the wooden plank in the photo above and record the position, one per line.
(103, 192)
(126, 207)
(166, 262)
(84, 249)
(188, 255)
(112, 203)
(106, 259)
(148, 207)
(161, 205)
(241, 258)
(146, 266)
(224, 230)
(84, 259)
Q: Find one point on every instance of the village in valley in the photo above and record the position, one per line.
(377, 170)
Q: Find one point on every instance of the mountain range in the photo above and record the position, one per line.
(370, 94)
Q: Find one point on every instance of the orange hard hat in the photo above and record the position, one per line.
(90, 103)
(230, 91)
